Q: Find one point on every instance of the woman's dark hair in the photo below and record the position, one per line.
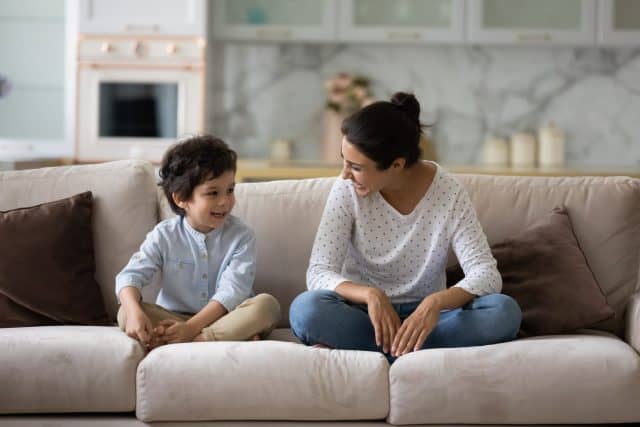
(191, 162)
(384, 131)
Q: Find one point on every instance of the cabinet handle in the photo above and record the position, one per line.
(106, 47)
(534, 37)
(274, 33)
(136, 27)
(171, 49)
(403, 35)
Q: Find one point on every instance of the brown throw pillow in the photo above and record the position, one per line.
(47, 265)
(546, 272)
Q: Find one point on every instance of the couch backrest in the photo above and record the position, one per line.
(605, 213)
(125, 208)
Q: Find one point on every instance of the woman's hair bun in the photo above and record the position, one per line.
(408, 104)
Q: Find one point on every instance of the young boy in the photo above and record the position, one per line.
(206, 256)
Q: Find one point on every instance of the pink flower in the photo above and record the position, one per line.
(347, 93)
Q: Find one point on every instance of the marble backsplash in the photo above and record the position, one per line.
(260, 92)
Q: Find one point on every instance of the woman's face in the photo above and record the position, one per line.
(362, 171)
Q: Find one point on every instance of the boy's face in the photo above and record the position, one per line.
(210, 203)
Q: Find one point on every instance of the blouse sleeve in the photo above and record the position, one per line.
(332, 240)
(470, 245)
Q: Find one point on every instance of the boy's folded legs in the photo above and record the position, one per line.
(258, 315)
(255, 316)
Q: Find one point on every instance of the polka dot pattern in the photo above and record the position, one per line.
(366, 241)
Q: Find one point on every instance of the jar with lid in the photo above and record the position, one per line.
(496, 151)
(523, 150)
(551, 147)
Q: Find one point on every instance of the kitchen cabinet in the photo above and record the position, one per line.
(143, 17)
(420, 21)
(274, 20)
(532, 21)
(619, 22)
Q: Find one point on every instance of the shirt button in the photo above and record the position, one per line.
(203, 255)
(204, 276)
(203, 295)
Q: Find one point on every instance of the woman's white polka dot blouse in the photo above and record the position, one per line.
(366, 241)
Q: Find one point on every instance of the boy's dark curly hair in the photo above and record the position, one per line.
(191, 162)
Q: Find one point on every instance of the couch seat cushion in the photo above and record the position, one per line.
(67, 369)
(264, 380)
(578, 378)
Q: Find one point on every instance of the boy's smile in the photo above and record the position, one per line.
(210, 203)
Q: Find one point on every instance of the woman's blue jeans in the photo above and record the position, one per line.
(324, 317)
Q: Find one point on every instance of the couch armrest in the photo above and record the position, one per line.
(632, 334)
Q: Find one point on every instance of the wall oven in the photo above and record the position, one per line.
(136, 96)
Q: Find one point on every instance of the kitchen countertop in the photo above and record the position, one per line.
(263, 170)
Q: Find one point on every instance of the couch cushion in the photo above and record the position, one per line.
(545, 271)
(579, 378)
(264, 380)
(605, 215)
(47, 266)
(67, 369)
(125, 208)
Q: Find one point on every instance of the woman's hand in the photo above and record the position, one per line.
(416, 328)
(174, 331)
(384, 318)
(139, 327)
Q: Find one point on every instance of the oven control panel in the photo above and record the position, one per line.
(141, 50)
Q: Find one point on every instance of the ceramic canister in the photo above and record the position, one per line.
(523, 150)
(551, 142)
(496, 152)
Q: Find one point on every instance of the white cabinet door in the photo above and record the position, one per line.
(276, 20)
(148, 17)
(32, 66)
(619, 22)
(532, 21)
(419, 21)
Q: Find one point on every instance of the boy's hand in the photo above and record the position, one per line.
(176, 331)
(139, 327)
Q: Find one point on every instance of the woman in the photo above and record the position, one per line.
(376, 276)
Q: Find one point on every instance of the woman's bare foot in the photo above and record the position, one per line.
(199, 338)
(321, 346)
(256, 337)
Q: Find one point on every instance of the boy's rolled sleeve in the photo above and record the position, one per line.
(236, 280)
(142, 265)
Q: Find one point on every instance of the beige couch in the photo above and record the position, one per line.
(74, 375)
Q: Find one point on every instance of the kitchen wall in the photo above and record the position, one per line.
(260, 92)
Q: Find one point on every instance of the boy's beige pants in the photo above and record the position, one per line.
(255, 316)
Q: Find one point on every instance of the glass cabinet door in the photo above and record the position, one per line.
(282, 20)
(532, 21)
(619, 22)
(402, 20)
(32, 76)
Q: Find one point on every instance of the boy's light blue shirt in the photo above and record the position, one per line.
(195, 267)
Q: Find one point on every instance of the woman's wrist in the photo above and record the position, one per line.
(432, 301)
(373, 294)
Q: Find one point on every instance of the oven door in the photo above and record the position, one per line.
(136, 112)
